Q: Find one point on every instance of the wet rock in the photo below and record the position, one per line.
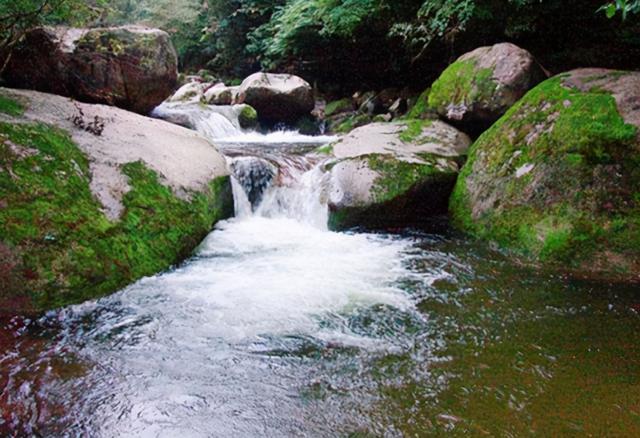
(247, 116)
(110, 207)
(394, 174)
(255, 175)
(131, 67)
(558, 180)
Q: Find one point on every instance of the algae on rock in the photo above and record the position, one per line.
(65, 248)
(558, 177)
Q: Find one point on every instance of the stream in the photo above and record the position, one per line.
(279, 327)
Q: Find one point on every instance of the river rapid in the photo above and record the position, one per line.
(279, 327)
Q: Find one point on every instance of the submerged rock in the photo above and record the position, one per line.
(558, 178)
(394, 174)
(94, 197)
(482, 85)
(131, 67)
(277, 97)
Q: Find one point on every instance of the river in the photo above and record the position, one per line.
(279, 327)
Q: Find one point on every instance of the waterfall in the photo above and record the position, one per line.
(212, 121)
(274, 176)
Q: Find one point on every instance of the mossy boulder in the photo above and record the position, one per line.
(558, 177)
(393, 174)
(247, 116)
(85, 213)
(482, 85)
(131, 67)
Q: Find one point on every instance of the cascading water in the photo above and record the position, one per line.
(212, 121)
(280, 327)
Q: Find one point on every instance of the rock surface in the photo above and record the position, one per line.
(394, 174)
(558, 178)
(480, 86)
(220, 94)
(190, 92)
(277, 97)
(131, 67)
(96, 197)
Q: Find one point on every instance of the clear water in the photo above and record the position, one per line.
(279, 327)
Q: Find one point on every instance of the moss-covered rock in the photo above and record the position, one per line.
(482, 85)
(558, 177)
(346, 122)
(85, 214)
(393, 174)
(338, 106)
(420, 108)
(248, 117)
(65, 248)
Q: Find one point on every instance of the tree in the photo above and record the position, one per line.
(17, 17)
(625, 7)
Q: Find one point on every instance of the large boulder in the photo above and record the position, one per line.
(558, 177)
(480, 86)
(190, 92)
(93, 197)
(134, 68)
(394, 174)
(220, 94)
(277, 97)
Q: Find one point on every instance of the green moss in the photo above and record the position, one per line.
(462, 82)
(338, 106)
(398, 177)
(325, 150)
(421, 108)
(352, 122)
(414, 129)
(10, 106)
(586, 165)
(248, 117)
(68, 250)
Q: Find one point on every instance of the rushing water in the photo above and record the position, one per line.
(280, 327)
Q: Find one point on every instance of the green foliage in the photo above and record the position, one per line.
(624, 7)
(395, 39)
(68, 250)
(17, 17)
